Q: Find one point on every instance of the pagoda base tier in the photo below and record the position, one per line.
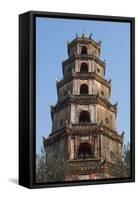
(90, 169)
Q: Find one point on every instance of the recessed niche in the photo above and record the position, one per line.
(106, 120)
(102, 92)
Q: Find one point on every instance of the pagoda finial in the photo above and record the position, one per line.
(83, 33)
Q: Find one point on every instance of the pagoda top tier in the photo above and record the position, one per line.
(86, 41)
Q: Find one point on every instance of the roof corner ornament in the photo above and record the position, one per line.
(122, 134)
(100, 42)
(90, 36)
(43, 138)
(116, 104)
(109, 81)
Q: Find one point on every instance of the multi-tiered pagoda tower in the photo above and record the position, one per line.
(84, 143)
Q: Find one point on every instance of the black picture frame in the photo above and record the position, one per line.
(27, 92)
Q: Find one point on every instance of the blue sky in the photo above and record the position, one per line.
(51, 50)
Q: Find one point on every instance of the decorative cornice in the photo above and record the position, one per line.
(84, 129)
(80, 40)
(94, 76)
(91, 166)
(83, 57)
(54, 136)
(84, 100)
(82, 76)
(85, 165)
(64, 81)
(93, 128)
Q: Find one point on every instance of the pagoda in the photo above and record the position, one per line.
(84, 142)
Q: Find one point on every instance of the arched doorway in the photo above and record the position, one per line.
(83, 50)
(84, 68)
(84, 150)
(84, 117)
(84, 89)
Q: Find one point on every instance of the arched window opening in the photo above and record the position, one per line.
(65, 93)
(84, 117)
(61, 122)
(102, 92)
(83, 50)
(98, 70)
(84, 89)
(84, 68)
(84, 150)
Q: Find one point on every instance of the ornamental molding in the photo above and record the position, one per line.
(84, 100)
(81, 76)
(80, 40)
(83, 57)
(84, 129)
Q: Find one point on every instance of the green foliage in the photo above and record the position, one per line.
(50, 168)
(41, 167)
(121, 166)
(126, 159)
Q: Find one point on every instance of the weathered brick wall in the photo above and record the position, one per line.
(64, 90)
(68, 69)
(60, 118)
(103, 114)
(92, 66)
(110, 149)
(90, 49)
(78, 63)
(72, 51)
(77, 108)
(72, 143)
(98, 69)
(77, 84)
(103, 90)
(97, 114)
(94, 87)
